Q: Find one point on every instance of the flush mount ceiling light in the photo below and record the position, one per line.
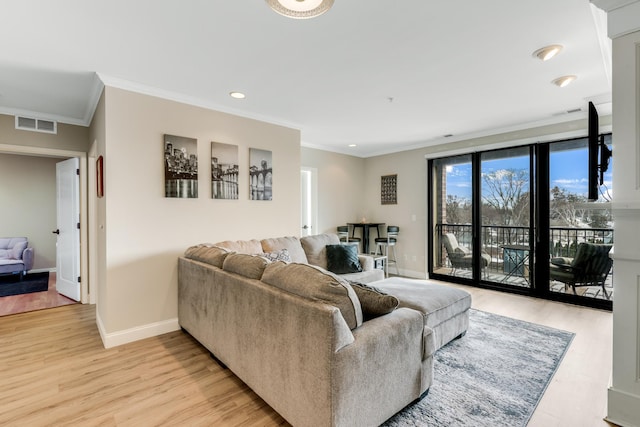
(300, 9)
(237, 95)
(547, 52)
(564, 80)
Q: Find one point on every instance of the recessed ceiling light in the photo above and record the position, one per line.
(237, 95)
(300, 9)
(352, 145)
(547, 52)
(564, 80)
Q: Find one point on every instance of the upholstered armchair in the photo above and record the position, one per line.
(589, 267)
(461, 256)
(15, 255)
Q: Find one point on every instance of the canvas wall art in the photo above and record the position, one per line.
(388, 190)
(180, 167)
(260, 174)
(224, 171)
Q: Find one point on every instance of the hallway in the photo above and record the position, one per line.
(34, 301)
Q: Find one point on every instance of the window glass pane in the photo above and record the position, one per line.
(581, 233)
(505, 213)
(452, 192)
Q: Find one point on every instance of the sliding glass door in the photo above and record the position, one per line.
(580, 233)
(452, 191)
(518, 219)
(506, 216)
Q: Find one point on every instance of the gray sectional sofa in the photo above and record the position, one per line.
(319, 349)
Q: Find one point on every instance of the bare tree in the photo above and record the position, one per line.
(505, 197)
(458, 210)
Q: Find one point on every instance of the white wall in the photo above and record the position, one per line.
(145, 233)
(341, 187)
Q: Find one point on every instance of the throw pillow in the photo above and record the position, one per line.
(374, 302)
(251, 266)
(313, 282)
(207, 253)
(343, 259)
(281, 255)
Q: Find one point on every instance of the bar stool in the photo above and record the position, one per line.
(343, 235)
(385, 243)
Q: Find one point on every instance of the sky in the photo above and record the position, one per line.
(568, 171)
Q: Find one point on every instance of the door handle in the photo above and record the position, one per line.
(57, 231)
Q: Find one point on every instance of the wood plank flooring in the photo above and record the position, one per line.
(54, 371)
(34, 301)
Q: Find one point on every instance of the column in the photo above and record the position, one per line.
(623, 19)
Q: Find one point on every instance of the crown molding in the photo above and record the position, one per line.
(623, 16)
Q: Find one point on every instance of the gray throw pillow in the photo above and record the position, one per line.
(343, 259)
(373, 301)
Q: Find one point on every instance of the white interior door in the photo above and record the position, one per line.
(308, 201)
(68, 223)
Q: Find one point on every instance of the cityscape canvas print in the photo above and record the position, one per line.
(260, 174)
(224, 171)
(180, 167)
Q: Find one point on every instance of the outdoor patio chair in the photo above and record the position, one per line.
(589, 267)
(460, 256)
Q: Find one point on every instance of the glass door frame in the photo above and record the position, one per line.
(539, 226)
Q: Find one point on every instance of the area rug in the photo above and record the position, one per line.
(493, 376)
(33, 282)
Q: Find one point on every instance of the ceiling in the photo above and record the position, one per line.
(386, 76)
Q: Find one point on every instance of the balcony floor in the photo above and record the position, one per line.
(497, 275)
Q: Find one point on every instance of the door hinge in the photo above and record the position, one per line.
(77, 171)
(78, 279)
(78, 226)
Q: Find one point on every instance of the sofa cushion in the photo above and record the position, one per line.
(281, 255)
(374, 302)
(242, 246)
(315, 248)
(313, 282)
(291, 244)
(18, 248)
(343, 259)
(207, 253)
(251, 266)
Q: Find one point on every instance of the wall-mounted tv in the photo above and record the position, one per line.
(599, 155)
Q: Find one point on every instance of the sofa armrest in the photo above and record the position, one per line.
(366, 262)
(383, 369)
(27, 258)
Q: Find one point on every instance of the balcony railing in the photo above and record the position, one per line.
(563, 242)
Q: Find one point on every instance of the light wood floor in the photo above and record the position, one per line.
(35, 300)
(54, 371)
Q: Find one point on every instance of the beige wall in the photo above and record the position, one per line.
(341, 187)
(97, 140)
(69, 137)
(410, 212)
(144, 232)
(28, 200)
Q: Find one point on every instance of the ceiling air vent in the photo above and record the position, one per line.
(36, 125)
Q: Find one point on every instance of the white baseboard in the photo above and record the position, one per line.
(623, 408)
(410, 273)
(42, 270)
(114, 339)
